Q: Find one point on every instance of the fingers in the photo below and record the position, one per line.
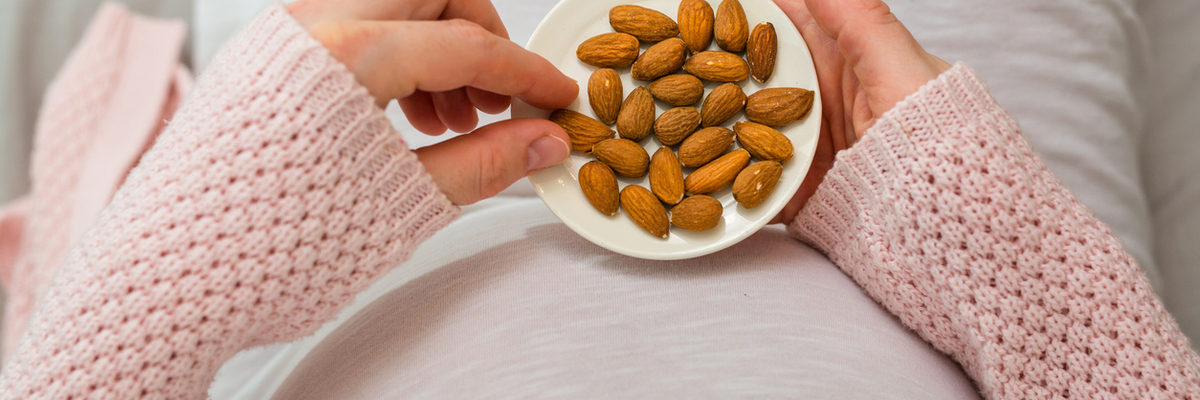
(418, 107)
(885, 58)
(445, 55)
(481, 12)
(488, 102)
(455, 110)
(474, 167)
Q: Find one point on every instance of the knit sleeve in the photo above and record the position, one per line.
(944, 215)
(277, 193)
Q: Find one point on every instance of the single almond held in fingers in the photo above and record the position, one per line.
(636, 119)
(666, 176)
(645, 210)
(779, 106)
(625, 157)
(756, 182)
(705, 145)
(661, 59)
(676, 124)
(717, 66)
(678, 90)
(722, 103)
(599, 186)
(645, 24)
(697, 213)
(763, 141)
(717, 174)
(604, 94)
(609, 50)
(761, 51)
(584, 131)
(696, 24)
(730, 27)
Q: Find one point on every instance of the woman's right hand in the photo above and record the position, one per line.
(866, 62)
(443, 60)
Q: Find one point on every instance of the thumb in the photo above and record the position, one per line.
(479, 165)
(886, 59)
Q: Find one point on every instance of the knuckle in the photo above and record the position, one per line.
(470, 32)
(494, 174)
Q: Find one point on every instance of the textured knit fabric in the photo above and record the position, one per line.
(100, 115)
(945, 216)
(278, 192)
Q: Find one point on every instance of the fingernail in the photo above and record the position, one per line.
(546, 151)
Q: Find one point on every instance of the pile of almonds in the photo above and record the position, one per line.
(702, 142)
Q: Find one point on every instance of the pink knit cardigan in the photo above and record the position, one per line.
(279, 191)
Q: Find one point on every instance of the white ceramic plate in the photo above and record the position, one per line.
(556, 38)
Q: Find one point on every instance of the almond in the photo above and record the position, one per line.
(676, 124)
(730, 27)
(756, 182)
(604, 94)
(584, 131)
(625, 157)
(666, 176)
(645, 24)
(600, 187)
(636, 119)
(661, 59)
(761, 51)
(779, 106)
(697, 213)
(696, 24)
(722, 104)
(763, 142)
(717, 66)
(704, 146)
(645, 210)
(717, 174)
(678, 90)
(609, 50)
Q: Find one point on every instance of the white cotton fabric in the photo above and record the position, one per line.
(530, 310)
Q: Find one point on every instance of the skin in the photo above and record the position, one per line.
(444, 59)
(866, 62)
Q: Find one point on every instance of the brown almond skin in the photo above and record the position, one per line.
(666, 176)
(625, 156)
(722, 103)
(584, 131)
(696, 24)
(697, 213)
(730, 28)
(645, 24)
(717, 66)
(636, 119)
(661, 59)
(676, 124)
(604, 94)
(763, 141)
(678, 90)
(705, 145)
(756, 182)
(717, 174)
(609, 50)
(599, 186)
(761, 51)
(779, 106)
(645, 210)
